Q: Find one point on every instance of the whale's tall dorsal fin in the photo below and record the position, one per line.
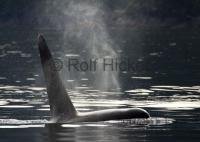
(60, 104)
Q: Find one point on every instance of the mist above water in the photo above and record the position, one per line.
(86, 35)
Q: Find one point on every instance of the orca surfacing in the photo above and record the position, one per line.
(61, 107)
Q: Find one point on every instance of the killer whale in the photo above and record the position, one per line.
(61, 107)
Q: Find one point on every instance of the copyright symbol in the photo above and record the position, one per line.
(58, 64)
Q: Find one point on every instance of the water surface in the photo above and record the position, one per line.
(170, 94)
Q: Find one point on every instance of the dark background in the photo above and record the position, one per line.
(161, 36)
(165, 12)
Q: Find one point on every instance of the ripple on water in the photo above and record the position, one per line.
(72, 55)
(8, 122)
(16, 106)
(30, 79)
(8, 87)
(21, 126)
(21, 88)
(15, 123)
(17, 100)
(44, 109)
(139, 91)
(167, 88)
(3, 78)
(36, 88)
(71, 125)
(2, 103)
(176, 105)
(95, 125)
(91, 99)
(141, 77)
(149, 121)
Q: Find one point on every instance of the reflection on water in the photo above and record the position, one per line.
(28, 110)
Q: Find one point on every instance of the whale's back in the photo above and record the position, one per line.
(111, 114)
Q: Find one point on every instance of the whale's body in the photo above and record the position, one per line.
(61, 107)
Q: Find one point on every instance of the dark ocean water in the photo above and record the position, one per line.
(165, 82)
